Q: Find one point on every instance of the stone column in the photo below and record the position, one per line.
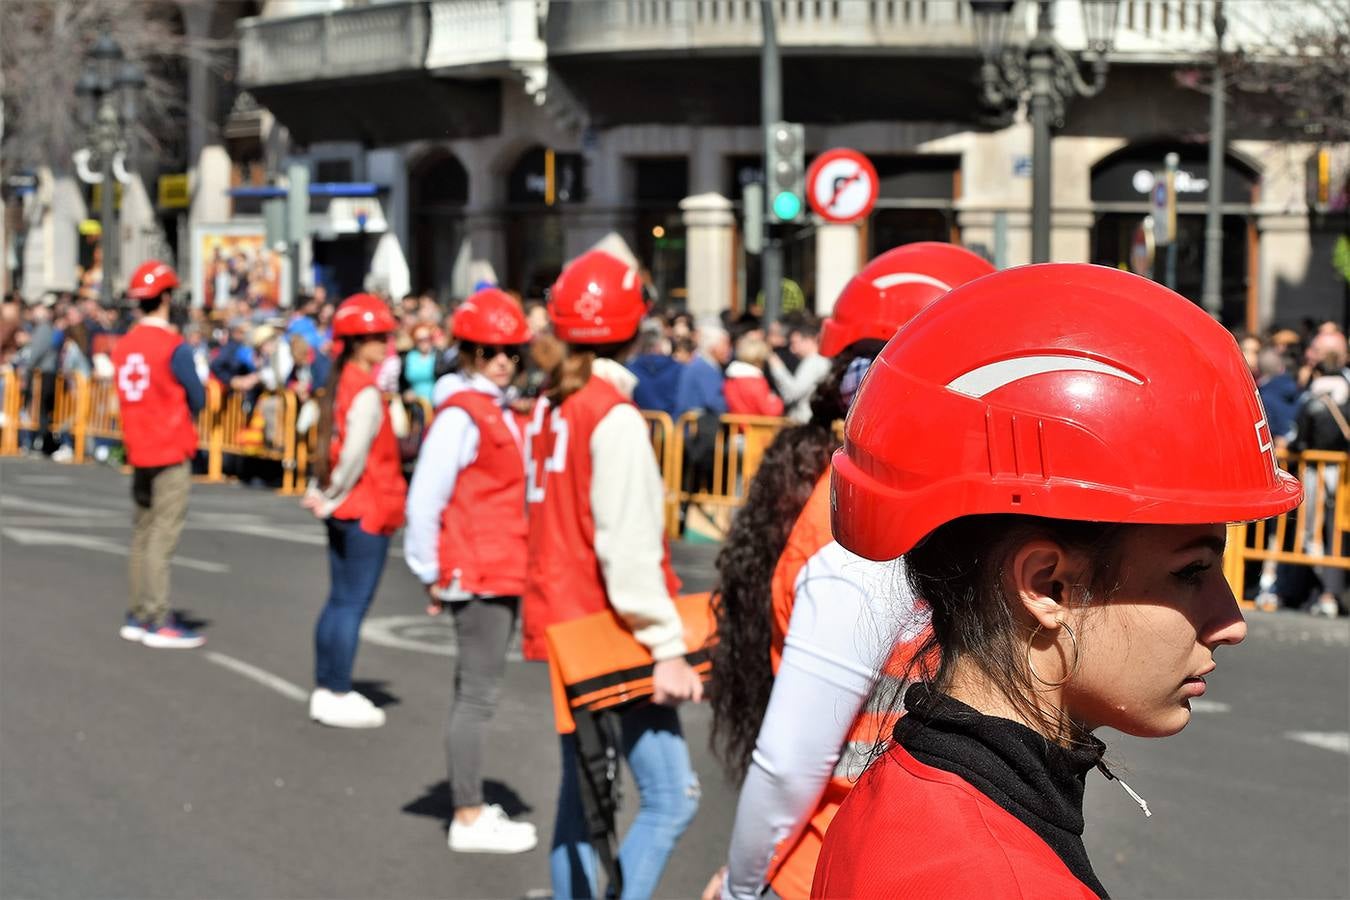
(710, 267)
(836, 262)
(485, 238)
(208, 161)
(386, 167)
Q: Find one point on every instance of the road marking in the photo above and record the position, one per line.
(421, 634)
(1209, 706)
(1335, 741)
(53, 508)
(44, 479)
(36, 537)
(261, 676)
(299, 534)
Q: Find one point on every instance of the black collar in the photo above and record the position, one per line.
(1039, 782)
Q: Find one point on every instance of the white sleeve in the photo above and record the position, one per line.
(794, 388)
(843, 624)
(364, 418)
(450, 446)
(628, 502)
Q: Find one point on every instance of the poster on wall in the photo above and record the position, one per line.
(231, 262)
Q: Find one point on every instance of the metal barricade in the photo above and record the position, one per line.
(70, 411)
(11, 399)
(1316, 534)
(662, 431)
(243, 430)
(719, 485)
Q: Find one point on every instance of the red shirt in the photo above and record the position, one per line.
(378, 497)
(157, 425)
(563, 577)
(483, 528)
(910, 830)
(748, 394)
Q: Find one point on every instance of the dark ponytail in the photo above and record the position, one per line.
(321, 465)
(743, 601)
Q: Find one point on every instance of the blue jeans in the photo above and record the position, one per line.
(355, 562)
(668, 795)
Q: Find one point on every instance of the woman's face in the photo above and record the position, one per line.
(1145, 651)
(497, 364)
(372, 350)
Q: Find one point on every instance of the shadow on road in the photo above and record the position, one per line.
(374, 692)
(190, 620)
(435, 801)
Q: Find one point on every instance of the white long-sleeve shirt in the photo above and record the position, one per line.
(847, 614)
(364, 417)
(797, 387)
(628, 504)
(450, 447)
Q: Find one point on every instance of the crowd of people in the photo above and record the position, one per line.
(917, 628)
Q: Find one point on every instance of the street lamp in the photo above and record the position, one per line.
(1048, 75)
(107, 78)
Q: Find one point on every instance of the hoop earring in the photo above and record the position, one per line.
(1073, 670)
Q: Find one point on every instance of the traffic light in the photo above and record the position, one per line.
(785, 172)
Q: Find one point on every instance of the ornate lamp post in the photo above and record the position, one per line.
(1047, 75)
(109, 89)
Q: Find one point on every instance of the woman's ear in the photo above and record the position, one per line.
(1040, 575)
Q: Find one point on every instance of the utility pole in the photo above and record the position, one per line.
(1040, 69)
(1211, 292)
(771, 110)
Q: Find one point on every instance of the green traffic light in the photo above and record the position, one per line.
(787, 205)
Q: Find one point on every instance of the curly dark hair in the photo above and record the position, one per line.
(742, 600)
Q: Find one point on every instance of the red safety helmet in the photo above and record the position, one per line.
(151, 279)
(490, 316)
(1067, 391)
(362, 314)
(597, 299)
(892, 288)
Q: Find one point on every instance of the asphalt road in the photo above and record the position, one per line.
(127, 772)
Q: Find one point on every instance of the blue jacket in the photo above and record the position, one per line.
(700, 388)
(658, 380)
(1280, 396)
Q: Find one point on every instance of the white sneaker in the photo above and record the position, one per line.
(349, 710)
(492, 832)
(63, 454)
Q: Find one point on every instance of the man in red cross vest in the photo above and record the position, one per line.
(159, 396)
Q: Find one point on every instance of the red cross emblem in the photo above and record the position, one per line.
(546, 444)
(134, 377)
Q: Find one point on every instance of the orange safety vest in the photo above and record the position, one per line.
(794, 861)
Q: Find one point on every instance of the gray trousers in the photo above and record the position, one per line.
(161, 500)
(483, 627)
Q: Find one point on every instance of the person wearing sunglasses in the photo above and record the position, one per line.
(466, 541)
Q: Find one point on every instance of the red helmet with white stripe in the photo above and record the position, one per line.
(597, 299)
(490, 316)
(151, 279)
(892, 288)
(362, 314)
(1066, 391)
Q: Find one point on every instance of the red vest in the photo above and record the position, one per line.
(483, 530)
(910, 830)
(378, 497)
(157, 425)
(563, 577)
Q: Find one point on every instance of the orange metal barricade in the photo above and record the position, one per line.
(1316, 534)
(70, 411)
(662, 431)
(243, 432)
(11, 399)
(738, 449)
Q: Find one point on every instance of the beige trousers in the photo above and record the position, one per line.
(154, 536)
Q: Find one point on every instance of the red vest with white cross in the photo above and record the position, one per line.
(157, 426)
(483, 531)
(564, 580)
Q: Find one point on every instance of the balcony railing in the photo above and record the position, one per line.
(341, 43)
(478, 33)
(680, 25)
